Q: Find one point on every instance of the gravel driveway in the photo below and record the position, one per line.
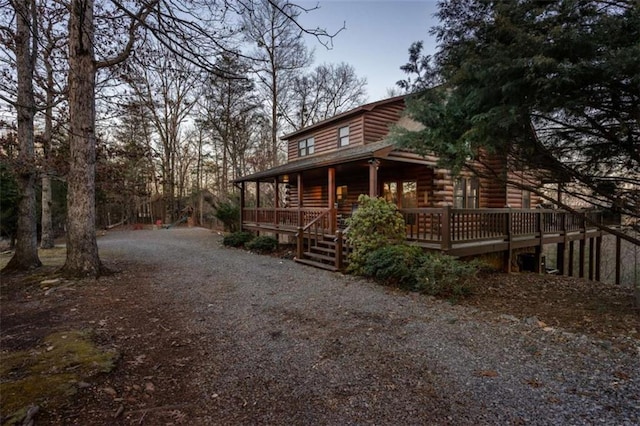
(282, 343)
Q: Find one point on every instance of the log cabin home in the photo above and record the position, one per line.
(331, 163)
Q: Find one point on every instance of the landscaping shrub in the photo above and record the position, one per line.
(262, 244)
(442, 275)
(228, 213)
(395, 265)
(237, 239)
(375, 224)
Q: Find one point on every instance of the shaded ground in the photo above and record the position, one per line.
(161, 346)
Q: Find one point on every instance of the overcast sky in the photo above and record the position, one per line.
(377, 36)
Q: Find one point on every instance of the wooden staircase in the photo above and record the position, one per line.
(320, 253)
(318, 246)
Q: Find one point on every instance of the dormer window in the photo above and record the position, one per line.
(343, 136)
(306, 147)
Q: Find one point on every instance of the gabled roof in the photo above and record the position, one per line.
(352, 112)
(345, 155)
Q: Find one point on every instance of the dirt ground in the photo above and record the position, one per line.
(123, 313)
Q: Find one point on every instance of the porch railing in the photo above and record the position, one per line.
(440, 226)
(281, 217)
(446, 226)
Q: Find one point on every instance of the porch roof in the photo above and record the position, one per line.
(378, 149)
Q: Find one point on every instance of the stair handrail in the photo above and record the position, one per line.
(314, 221)
(307, 228)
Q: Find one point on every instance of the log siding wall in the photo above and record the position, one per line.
(365, 127)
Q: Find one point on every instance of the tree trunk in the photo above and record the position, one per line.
(26, 254)
(46, 223)
(46, 240)
(82, 248)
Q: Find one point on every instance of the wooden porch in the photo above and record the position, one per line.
(457, 232)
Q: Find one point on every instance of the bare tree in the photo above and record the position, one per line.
(82, 249)
(279, 54)
(191, 30)
(52, 44)
(26, 254)
(167, 86)
(229, 109)
(324, 92)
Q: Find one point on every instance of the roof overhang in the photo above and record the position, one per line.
(379, 150)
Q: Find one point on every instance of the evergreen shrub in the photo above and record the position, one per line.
(395, 265)
(237, 239)
(375, 224)
(262, 244)
(228, 212)
(443, 275)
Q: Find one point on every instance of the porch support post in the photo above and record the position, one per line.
(446, 228)
(571, 252)
(299, 243)
(508, 259)
(618, 252)
(598, 256)
(339, 249)
(583, 243)
(300, 200)
(373, 178)
(258, 216)
(276, 204)
(591, 256)
(242, 202)
(561, 248)
(581, 254)
(331, 189)
(538, 251)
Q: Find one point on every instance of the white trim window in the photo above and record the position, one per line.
(306, 147)
(343, 136)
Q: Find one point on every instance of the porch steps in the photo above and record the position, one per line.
(321, 253)
(315, 264)
(320, 257)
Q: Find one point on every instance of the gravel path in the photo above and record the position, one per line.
(282, 343)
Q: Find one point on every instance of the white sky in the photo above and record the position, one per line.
(377, 36)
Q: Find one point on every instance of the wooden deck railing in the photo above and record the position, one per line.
(447, 226)
(281, 217)
(440, 226)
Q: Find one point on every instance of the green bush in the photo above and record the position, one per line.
(237, 239)
(442, 275)
(395, 265)
(375, 224)
(262, 244)
(228, 213)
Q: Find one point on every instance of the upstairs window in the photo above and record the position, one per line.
(343, 136)
(465, 193)
(306, 147)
